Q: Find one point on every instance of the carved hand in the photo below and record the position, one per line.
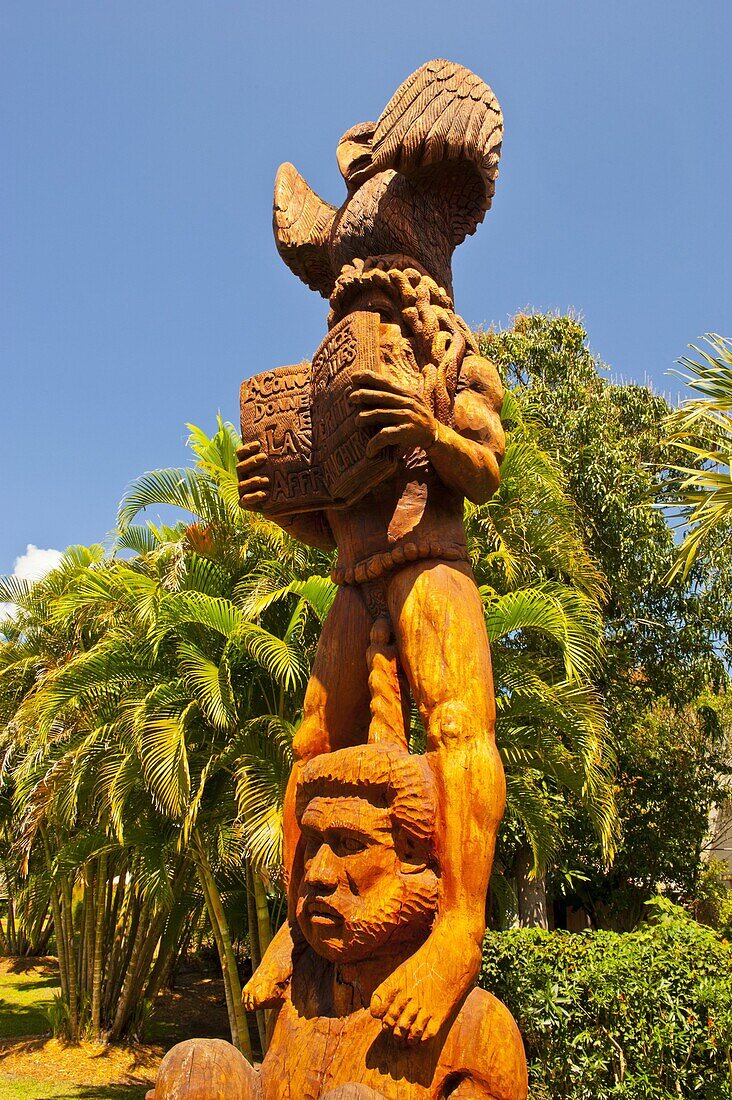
(402, 416)
(253, 487)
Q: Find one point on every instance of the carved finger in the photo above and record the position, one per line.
(387, 400)
(244, 467)
(252, 500)
(370, 380)
(369, 417)
(247, 449)
(252, 484)
(387, 437)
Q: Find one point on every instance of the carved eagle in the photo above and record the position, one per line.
(419, 181)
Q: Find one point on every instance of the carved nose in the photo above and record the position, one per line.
(321, 869)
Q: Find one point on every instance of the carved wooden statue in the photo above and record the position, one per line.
(371, 449)
(366, 903)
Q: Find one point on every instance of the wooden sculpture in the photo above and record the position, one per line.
(366, 902)
(371, 449)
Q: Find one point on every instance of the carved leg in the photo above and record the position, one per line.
(336, 714)
(438, 620)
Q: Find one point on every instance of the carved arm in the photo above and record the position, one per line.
(466, 456)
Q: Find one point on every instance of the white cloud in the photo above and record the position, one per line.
(35, 563)
(31, 566)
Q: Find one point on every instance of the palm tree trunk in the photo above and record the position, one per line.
(42, 944)
(96, 1004)
(125, 999)
(81, 972)
(58, 926)
(256, 947)
(67, 918)
(12, 937)
(253, 930)
(232, 985)
(264, 924)
(532, 907)
(128, 915)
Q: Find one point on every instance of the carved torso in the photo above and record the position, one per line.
(412, 516)
(482, 1044)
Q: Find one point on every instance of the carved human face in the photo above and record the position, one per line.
(359, 892)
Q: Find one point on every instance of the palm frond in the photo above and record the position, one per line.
(165, 762)
(702, 427)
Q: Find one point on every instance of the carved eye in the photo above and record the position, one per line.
(351, 845)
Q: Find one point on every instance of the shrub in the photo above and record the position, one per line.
(644, 1015)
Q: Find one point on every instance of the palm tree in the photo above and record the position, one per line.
(543, 598)
(702, 428)
(82, 825)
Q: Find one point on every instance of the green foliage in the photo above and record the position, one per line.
(543, 594)
(645, 1015)
(666, 644)
(702, 430)
(609, 439)
(672, 770)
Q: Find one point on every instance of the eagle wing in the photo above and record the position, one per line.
(444, 126)
(302, 223)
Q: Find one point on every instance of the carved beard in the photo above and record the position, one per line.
(369, 923)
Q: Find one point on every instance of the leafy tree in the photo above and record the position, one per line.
(702, 428)
(666, 644)
(543, 595)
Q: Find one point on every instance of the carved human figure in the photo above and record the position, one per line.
(418, 182)
(366, 902)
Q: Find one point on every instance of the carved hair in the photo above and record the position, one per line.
(384, 774)
(440, 337)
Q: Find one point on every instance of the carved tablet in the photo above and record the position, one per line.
(301, 416)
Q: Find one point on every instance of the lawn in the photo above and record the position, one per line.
(35, 1066)
(27, 988)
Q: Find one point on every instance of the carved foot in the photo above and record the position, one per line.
(268, 984)
(415, 1001)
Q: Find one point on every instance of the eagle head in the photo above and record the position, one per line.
(354, 155)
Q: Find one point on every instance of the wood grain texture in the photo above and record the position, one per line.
(388, 853)
(419, 181)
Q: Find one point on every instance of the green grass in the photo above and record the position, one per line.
(37, 1090)
(24, 997)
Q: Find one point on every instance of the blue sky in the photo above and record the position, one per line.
(139, 282)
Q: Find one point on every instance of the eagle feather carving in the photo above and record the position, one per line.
(419, 181)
